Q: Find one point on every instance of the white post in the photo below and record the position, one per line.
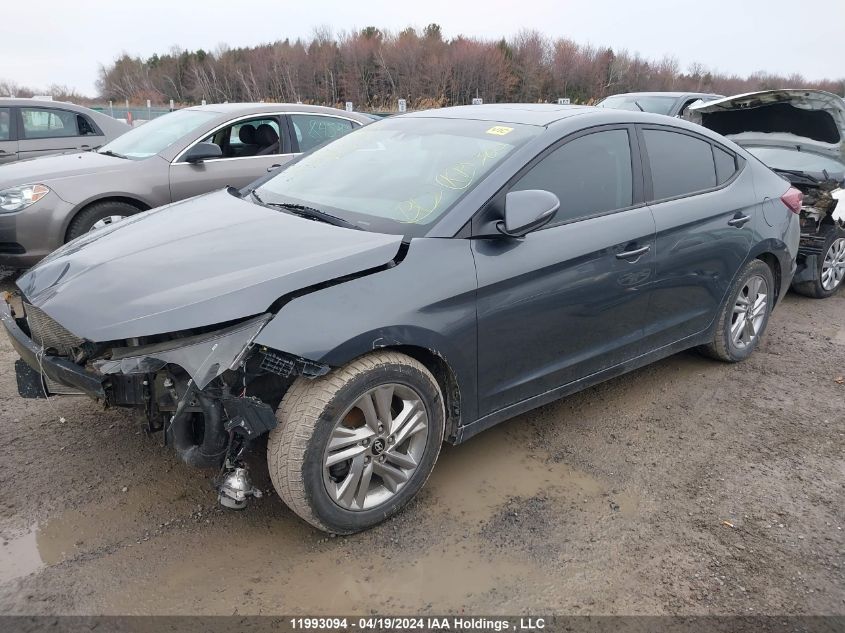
(172, 108)
(111, 108)
(403, 105)
(349, 106)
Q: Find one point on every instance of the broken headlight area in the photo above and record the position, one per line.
(822, 204)
(210, 393)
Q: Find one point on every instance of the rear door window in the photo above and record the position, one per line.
(590, 175)
(50, 123)
(680, 164)
(5, 124)
(312, 130)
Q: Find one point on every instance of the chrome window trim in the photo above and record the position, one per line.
(179, 161)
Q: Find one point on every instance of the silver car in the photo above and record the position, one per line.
(45, 203)
(668, 103)
(34, 127)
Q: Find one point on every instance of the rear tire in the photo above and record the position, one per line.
(831, 263)
(354, 446)
(104, 212)
(745, 314)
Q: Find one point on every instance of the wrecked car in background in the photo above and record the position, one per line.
(799, 134)
(668, 103)
(424, 278)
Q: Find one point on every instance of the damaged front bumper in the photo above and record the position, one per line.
(39, 364)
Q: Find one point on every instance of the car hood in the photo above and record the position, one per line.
(806, 120)
(50, 169)
(203, 261)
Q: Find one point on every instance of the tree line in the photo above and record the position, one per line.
(374, 67)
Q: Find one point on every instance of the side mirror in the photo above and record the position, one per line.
(526, 211)
(203, 151)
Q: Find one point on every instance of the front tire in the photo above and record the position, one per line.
(831, 268)
(99, 215)
(745, 314)
(354, 446)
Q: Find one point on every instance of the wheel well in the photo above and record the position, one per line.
(771, 260)
(141, 206)
(446, 379)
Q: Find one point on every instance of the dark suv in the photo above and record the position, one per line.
(422, 278)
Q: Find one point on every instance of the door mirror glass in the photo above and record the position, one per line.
(527, 210)
(203, 151)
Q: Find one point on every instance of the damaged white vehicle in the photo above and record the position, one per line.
(799, 134)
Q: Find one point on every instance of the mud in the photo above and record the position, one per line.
(687, 487)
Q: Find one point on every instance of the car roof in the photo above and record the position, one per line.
(540, 114)
(234, 109)
(43, 103)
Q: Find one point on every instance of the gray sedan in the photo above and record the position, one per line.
(422, 279)
(47, 202)
(34, 127)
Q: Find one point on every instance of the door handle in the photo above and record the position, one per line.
(633, 254)
(273, 167)
(740, 221)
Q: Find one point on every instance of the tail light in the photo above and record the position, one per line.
(793, 198)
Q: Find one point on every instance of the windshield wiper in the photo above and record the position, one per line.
(308, 212)
(798, 173)
(315, 214)
(108, 152)
(637, 103)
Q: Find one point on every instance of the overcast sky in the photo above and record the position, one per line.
(64, 42)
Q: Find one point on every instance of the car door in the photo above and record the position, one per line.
(8, 137)
(241, 162)
(45, 130)
(705, 210)
(570, 299)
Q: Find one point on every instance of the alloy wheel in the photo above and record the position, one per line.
(749, 312)
(833, 266)
(375, 447)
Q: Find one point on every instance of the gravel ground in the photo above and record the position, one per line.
(687, 487)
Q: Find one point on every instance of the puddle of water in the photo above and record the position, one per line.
(19, 556)
(472, 479)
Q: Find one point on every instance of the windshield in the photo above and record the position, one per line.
(151, 138)
(793, 160)
(398, 175)
(657, 105)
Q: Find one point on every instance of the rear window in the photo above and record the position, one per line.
(680, 164)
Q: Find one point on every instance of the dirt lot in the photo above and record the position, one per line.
(687, 487)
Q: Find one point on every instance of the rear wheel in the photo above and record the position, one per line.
(745, 314)
(99, 215)
(831, 268)
(354, 446)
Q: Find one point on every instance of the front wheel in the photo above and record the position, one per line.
(744, 316)
(354, 446)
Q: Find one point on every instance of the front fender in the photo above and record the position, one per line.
(425, 301)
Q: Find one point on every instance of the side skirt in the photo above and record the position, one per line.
(469, 430)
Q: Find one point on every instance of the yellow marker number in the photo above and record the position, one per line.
(500, 130)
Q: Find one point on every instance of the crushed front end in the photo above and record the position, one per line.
(822, 220)
(210, 391)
